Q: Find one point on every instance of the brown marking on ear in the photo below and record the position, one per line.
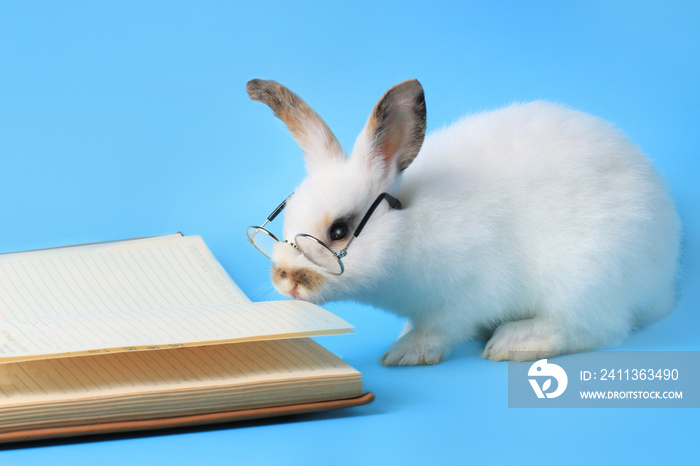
(311, 133)
(397, 124)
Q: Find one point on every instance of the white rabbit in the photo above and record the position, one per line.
(539, 225)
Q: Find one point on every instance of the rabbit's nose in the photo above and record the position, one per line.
(306, 278)
(293, 280)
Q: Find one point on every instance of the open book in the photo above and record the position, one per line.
(152, 333)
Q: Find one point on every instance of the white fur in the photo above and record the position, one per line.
(535, 222)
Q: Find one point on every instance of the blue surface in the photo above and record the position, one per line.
(125, 119)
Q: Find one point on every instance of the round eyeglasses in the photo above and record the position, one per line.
(309, 246)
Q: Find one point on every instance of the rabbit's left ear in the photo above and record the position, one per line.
(311, 133)
(395, 130)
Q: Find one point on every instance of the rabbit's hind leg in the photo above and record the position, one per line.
(525, 340)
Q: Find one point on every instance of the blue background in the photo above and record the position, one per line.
(130, 118)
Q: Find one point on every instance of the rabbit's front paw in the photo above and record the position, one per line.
(414, 350)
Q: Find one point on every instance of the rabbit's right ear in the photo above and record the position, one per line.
(395, 129)
(315, 138)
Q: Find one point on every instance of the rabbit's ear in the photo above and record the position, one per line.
(316, 140)
(396, 128)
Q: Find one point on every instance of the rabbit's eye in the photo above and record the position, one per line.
(338, 231)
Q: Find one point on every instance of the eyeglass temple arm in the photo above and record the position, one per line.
(393, 202)
(279, 209)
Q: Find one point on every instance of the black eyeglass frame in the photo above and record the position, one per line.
(393, 202)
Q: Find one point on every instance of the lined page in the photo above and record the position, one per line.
(134, 294)
(154, 273)
(135, 330)
(263, 366)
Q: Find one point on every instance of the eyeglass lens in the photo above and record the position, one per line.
(262, 240)
(318, 253)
